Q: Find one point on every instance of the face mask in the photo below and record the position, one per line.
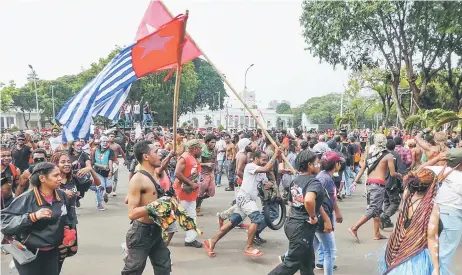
(104, 144)
(316, 166)
(78, 149)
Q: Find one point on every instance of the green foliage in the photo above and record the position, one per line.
(434, 118)
(283, 108)
(319, 110)
(221, 127)
(208, 119)
(200, 87)
(423, 37)
(6, 95)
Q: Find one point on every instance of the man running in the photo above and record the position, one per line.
(186, 185)
(117, 150)
(246, 202)
(378, 163)
(207, 174)
(102, 158)
(144, 238)
(246, 148)
(131, 160)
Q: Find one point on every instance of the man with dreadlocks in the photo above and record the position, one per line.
(413, 248)
(378, 164)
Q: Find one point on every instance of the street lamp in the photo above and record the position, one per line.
(34, 75)
(245, 77)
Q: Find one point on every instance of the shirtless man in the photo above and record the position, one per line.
(378, 163)
(144, 238)
(117, 150)
(230, 161)
(416, 154)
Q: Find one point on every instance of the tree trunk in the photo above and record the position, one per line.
(26, 121)
(394, 95)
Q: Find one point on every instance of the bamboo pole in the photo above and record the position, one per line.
(236, 94)
(176, 93)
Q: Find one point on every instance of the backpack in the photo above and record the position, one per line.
(357, 157)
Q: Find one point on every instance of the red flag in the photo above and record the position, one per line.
(160, 49)
(157, 15)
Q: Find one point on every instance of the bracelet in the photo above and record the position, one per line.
(33, 217)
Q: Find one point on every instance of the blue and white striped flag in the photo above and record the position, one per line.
(103, 96)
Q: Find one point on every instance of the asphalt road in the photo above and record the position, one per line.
(101, 234)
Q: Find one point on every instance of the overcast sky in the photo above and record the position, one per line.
(60, 37)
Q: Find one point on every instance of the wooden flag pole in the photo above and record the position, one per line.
(176, 93)
(237, 95)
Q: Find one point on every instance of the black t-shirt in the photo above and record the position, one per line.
(21, 157)
(346, 150)
(71, 184)
(298, 189)
(79, 160)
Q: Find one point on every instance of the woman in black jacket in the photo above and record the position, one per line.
(40, 220)
(70, 185)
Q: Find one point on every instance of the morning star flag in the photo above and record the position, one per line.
(108, 90)
(157, 15)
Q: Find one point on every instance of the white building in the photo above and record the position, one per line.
(234, 116)
(16, 117)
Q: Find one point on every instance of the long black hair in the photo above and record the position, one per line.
(43, 168)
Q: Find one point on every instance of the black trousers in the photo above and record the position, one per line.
(231, 174)
(143, 241)
(391, 203)
(300, 255)
(45, 263)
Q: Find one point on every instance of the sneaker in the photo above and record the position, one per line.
(100, 208)
(114, 194)
(229, 189)
(220, 220)
(218, 185)
(194, 244)
(282, 258)
(105, 197)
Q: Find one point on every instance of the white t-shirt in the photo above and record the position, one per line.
(250, 181)
(220, 145)
(136, 109)
(55, 142)
(450, 192)
(128, 109)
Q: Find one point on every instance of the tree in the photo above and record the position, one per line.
(434, 118)
(418, 35)
(283, 108)
(24, 100)
(320, 110)
(208, 119)
(6, 95)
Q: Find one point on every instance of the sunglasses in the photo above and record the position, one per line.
(38, 160)
(20, 139)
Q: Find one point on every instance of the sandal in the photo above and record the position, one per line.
(255, 253)
(207, 245)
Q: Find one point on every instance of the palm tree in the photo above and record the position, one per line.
(434, 118)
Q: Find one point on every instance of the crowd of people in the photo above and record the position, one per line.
(417, 175)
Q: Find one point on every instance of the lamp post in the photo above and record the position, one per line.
(245, 87)
(53, 99)
(34, 75)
